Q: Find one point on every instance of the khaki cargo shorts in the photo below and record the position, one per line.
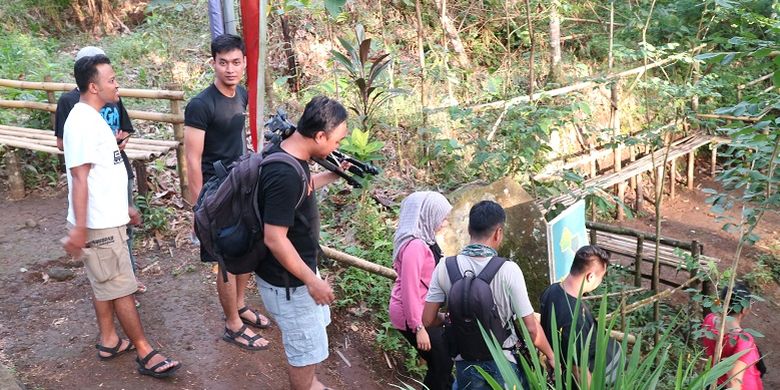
(107, 261)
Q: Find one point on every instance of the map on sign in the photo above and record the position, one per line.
(565, 235)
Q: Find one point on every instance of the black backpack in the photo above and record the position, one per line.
(470, 301)
(227, 218)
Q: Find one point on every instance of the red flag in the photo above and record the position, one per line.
(250, 19)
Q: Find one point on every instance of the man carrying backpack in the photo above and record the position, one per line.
(291, 288)
(214, 132)
(480, 287)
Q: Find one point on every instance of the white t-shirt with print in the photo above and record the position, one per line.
(508, 288)
(87, 139)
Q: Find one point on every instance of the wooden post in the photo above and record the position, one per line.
(691, 168)
(618, 155)
(51, 99)
(673, 179)
(640, 194)
(181, 157)
(695, 250)
(640, 245)
(714, 150)
(15, 178)
(141, 177)
(593, 238)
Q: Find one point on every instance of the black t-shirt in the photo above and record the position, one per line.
(222, 118)
(114, 114)
(281, 188)
(555, 299)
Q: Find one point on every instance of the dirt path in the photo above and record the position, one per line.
(688, 217)
(47, 329)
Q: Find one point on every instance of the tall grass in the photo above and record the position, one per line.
(636, 369)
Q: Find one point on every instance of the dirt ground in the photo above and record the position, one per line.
(688, 217)
(47, 328)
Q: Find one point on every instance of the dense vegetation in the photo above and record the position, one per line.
(423, 122)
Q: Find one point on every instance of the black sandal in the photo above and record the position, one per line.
(114, 352)
(231, 337)
(257, 324)
(151, 371)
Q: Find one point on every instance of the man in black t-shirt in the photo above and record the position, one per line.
(586, 273)
(214, 131)
(118, 120)
(291, 288)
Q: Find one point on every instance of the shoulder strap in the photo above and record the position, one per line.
(219, 169)
(452, 269)
(491, 269)
(293, 162)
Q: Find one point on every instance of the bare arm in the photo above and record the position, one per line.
(275, 238)
(538, 337)
(77, 236)
(324, 178)
(193, 144)
(737, 373)
(430, 316)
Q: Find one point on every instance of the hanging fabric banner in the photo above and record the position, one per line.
(250, 20)
(216, 21)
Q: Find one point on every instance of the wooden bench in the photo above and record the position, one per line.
(140, 150)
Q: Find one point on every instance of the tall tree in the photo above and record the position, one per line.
(452, 33)
(556, 66)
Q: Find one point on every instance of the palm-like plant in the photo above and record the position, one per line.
(366, 73)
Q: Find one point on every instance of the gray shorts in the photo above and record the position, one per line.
(301, 321)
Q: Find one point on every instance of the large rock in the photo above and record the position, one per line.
(525, 234)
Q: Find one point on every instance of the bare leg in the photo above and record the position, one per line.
(301, 378)
(104, 310)
(131, 324)
(227, 298)
(241, 283)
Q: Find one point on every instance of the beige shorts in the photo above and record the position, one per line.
(107, 261)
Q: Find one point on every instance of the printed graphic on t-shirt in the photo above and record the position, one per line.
(117, 157)
(111, 115)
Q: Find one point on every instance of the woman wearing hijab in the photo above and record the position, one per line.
(415, 255)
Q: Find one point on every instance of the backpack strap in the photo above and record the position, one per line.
(288, 159)
(219, 169)
(491, 269)
(452, 269)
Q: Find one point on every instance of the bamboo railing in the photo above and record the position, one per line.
(137, 149)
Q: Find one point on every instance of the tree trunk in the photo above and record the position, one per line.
(556, 65)
(289, 51)
(452, 33)
(98, 17)
(531, 79)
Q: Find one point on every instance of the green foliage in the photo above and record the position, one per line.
(155, 218)
(636, 370)
(360, 145)
(366, 74)
(40, 169)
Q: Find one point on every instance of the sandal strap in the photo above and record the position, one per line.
(243, 310)
(160, 364)
(251, 340)
(113, 351)
(148, 357)
(239, 333)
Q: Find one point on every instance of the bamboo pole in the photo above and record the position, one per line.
(52, 100)
(612, 294)
(691, 169)
(636, 233)
(354, 261)
(673, 179)
(649, 300)
(640, 245)
(570, 88)
(134, 114)
(181, 157)
(123, 92)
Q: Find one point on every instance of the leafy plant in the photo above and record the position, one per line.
(155, 218)
(366, 74)
(360, 145)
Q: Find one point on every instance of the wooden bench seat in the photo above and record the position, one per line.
(137, 148)
(627, 246)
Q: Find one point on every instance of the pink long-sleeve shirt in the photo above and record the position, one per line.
(414, 266)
